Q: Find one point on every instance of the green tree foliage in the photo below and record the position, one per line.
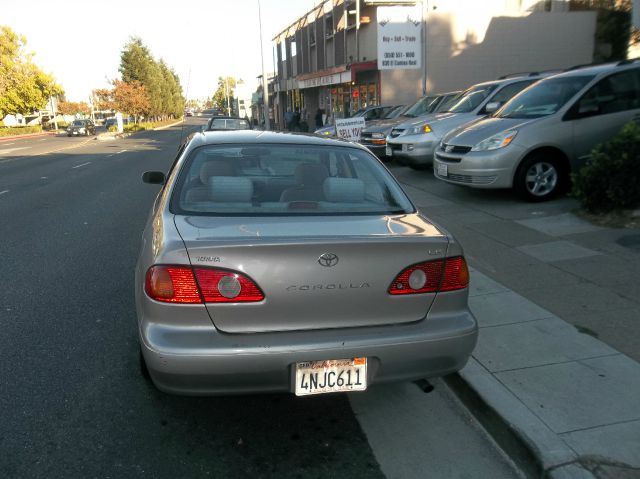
(226, 87)
(161, 83)
(609, 181)
(23, 86)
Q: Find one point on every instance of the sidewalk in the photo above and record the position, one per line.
(544, 286)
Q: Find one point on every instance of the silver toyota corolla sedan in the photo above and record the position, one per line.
(278, 262)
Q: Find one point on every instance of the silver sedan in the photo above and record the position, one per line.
(275, 262)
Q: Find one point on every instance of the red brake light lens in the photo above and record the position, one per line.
(222, 286)
(180, 284)
(447, 274)
(172, 284)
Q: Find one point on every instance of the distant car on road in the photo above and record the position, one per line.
(536, 140)
(81, 127)
(228, 123)
(188, 113)
(280, 262)
(112, 122)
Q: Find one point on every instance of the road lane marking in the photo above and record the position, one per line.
(83, 164)
(11, 150)
(42, 139)
(3, 192)
(8, 144)
(122, 151)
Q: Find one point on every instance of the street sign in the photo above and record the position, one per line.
(399, 38)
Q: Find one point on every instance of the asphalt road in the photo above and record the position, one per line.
(72, 400)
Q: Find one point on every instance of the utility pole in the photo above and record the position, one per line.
(265, 90)
(424, 46)
(53, 112)
(226, 91)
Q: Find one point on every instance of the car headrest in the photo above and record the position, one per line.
(230, 189)
(343, 190)
(310, 174)
(215, 168)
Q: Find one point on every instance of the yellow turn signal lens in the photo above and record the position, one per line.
(508, 139)
(426, 129)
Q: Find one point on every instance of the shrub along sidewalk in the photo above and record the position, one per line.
(19, 130)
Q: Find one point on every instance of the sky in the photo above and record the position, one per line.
(79, 42)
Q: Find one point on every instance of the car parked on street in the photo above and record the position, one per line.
(375, 112)
(536, 140)
(282, 262)
(414, 142)
(81, 127)
(228, 123)
(374, 136)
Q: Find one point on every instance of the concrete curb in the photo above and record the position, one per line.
(558, 456)
(169, 126)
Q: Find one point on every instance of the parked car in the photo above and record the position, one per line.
(536, 140)
(228, 123)
(81, 127)
(282, 262)
(374, 136)
(413, 142)
(112, 122)
(369, 113)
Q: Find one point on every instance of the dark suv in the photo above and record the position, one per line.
(81, 127)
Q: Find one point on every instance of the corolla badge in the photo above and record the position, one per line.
(328, 260)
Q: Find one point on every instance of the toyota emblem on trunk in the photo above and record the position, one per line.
(328, 259)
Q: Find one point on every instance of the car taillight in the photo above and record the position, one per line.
(447, 274)
(223, 286)
(183, 284)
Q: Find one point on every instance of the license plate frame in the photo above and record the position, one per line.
(443, 170)
(388, 151)
(329, 376)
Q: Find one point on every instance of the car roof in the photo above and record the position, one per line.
(265, 137)
(226, 118)
(599, 69)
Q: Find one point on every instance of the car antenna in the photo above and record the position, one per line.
(185, 104)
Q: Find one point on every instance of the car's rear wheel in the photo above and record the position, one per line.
(540, 177)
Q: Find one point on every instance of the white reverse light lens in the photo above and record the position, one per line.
(417, 279)
(229, 287)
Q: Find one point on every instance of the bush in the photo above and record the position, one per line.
(609, 181)
(20, 130)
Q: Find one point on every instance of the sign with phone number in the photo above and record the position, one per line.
(349, 128)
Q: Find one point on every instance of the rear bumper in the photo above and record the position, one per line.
(197, 361)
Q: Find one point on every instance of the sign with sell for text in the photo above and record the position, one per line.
(349, 128)
(399, 38)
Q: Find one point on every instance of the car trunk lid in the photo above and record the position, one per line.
(315, 273)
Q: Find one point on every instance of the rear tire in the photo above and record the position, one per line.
(540, 177)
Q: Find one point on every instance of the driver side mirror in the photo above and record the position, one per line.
(153, 177)
(492, 107)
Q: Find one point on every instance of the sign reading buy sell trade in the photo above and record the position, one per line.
(399, 38)
(349, 128)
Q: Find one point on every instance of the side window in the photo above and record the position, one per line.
(612, 94)
(506, 93)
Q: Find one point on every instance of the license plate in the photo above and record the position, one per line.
(330, 376)
(442, 170)
(388, 151)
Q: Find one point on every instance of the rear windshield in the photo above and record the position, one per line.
(229, 124)
(255, 180)
(472, 98)
(78, 123)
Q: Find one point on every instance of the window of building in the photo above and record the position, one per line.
(328, 26)
(312, 34)
(293, 48)
(283, 51)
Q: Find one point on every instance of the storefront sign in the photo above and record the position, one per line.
(349, 128)
(335, 78)
(399, 38)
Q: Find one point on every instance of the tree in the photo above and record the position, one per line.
(23, 86)
(224, 93)
(103, 99)
(161, 83)
(71, 108)
(131, 97)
